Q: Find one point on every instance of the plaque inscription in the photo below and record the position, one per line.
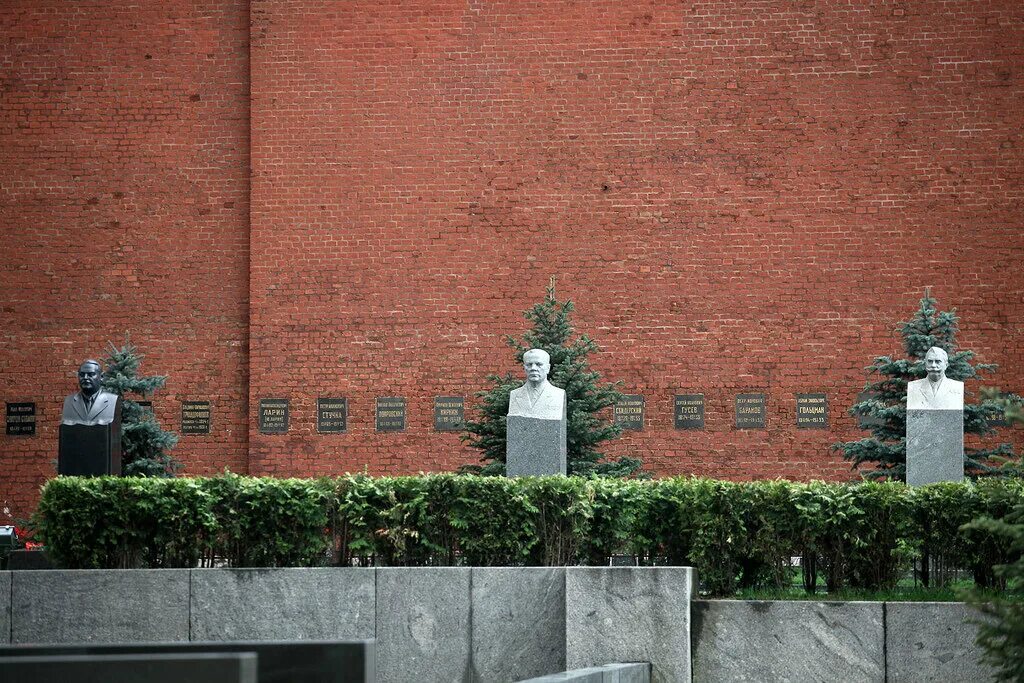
(390, 414)
(331, 415)
(195, 417)
(689, 411)
(629, 412)
(273, 415)
(21, 419)
(811, 411)
(750, 411)
(448, 413)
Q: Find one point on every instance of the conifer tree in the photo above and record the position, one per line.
(585, 396)
(885, 406)
(144, 445)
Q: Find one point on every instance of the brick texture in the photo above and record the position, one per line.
(739, 197)
(124, 190)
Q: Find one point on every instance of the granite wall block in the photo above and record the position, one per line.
(933, 641)
(423, 624)
(518, 622)
(100, 606)
(787, 640)
(283, 604)
(629, 614)
(5, 608)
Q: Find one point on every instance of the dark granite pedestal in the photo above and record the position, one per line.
(534, 447)
(935, 446)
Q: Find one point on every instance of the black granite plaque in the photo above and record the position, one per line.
(689, 411)
(750, 411)
(629, 412)
(147, 406)
(448, 413)
(811, 411)
(331, 415)
(390, 414)
(21, 419)
(273, 417)
(195, 417)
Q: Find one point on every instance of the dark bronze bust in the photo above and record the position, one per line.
(91, 405)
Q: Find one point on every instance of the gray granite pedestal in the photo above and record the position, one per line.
(935, 446)
(534, 447)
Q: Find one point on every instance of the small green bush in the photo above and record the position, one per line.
(738, 536)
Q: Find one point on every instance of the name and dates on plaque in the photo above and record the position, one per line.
(629, 412)
(273, 415)
(390, 414)
(195, 417)
(21, 419)
(811, 411)
(449, 413)
(750, 411)
(689, 411)
(332, 415)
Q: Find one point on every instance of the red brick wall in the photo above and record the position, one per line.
(739, 197)
(124, 208)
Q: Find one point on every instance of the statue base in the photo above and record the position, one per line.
(534, 447)
(89, 450)
(935, 446)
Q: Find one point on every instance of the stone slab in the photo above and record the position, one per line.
(423, 622)
(629, 614)
(5, 608)
(933, 641)
(224, 667)
(293, 661)
(534, 447)
(612, 673)
(935, 446)
(753, 640)
(518, 622)
(100, 606)
(283, 604)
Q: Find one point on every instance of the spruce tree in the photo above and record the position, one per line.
(144, 445)
(885, 408)
(585, 396)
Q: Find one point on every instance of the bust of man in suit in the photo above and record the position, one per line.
(91, 405)
(936, 391)
(537, 398)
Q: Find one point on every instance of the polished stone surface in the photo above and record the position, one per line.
(283, 604)
(423, 624)
(100, 606)
(935, 446)
(739, 640)
(933, 641)
(518, 622)
(629, 614)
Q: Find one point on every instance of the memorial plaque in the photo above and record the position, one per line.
(273, 417)
(390, 414)
(750, 411)
(629, 412)
(332, 415)
(147, 406)
(21, 419)
(195, 417)
(689, 411)
(448, 413)
(811, 411)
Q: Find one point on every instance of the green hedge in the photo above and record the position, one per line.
(737, 535)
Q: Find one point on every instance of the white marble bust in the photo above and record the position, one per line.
(936, 391)
(537, 398)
